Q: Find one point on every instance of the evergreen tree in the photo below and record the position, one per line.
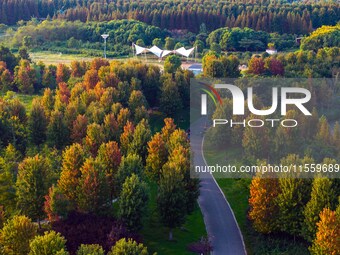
(37, 123)
(128, 247)
(57, 131)
(90, 249)
(51, 243)
(132, 202)
(16, 235)
(322, 196)
(171, 199)
(32, 186)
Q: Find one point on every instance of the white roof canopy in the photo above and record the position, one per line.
(162, 53)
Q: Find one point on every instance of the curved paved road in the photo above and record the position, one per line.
(219, 219)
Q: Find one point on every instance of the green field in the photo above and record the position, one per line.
(49, 57)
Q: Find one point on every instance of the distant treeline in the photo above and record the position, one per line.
(280, 16)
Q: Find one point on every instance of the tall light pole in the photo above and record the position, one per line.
(105, 36)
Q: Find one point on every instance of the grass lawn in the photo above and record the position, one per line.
(50, 57)
(26, 100)
(156, 236)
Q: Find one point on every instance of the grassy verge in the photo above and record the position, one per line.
(156, 236)
(237, 194)
(26, 100)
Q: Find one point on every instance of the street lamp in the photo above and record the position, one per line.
(105, 36)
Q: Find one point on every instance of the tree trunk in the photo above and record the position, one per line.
(170, 235)
(39, 224)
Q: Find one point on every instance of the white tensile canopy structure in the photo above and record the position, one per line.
(162, 53)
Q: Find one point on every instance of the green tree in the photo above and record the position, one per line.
(37, 123)
(171, 198)
(141, 137)
(49, 77)
(130, 164)
(57, 131)
(128, 247)
(170, 100)
(32, 186)
(16, 235)
(172, 63)
(8, 171)
(51, 243)
(169, 43)
(90, 249)
(132, 202)
(322, 196)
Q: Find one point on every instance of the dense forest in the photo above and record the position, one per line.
(296, 18)
(95, 154)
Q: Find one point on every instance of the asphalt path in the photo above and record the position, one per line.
(223, 230)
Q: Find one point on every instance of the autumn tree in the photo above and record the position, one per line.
(94, 138)
(327, 239)
(274, 66)
(263, 208)
(63, 73)
(157, 156)
(24, 77)
(37, 123)
(79, 129)
(73, 159)
(132, 202)
(78, 68)
(110, 157)
(93, 194)
(51, 242)
(126, 137)
(32, 186)
(56, 204)
(322, 196)
(128, 247)
(16, 235)
(111, 128)
(171, 198)
(6, 80)
(256, 66)
(91, 79)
